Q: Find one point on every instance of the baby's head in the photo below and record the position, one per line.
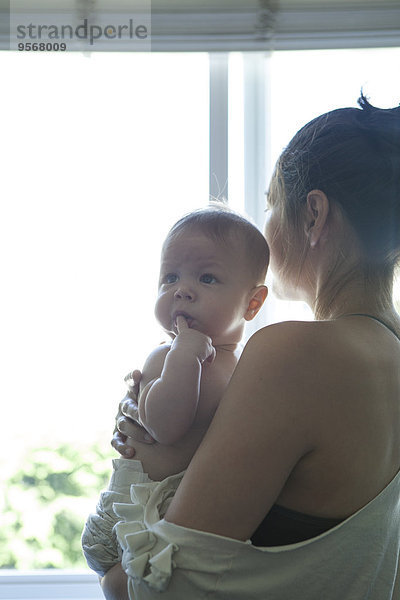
(213, 269)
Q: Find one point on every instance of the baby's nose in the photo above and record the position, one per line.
(183, 293)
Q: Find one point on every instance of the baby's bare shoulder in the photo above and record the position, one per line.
(154, 363)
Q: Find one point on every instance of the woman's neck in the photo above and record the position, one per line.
(356, 295)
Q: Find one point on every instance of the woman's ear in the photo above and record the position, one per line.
(317, 211)
(258, 295)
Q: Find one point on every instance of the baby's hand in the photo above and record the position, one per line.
(190, 340)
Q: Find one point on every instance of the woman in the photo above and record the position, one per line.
(303, 454)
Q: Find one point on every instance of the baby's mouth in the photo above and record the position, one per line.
(187, 317)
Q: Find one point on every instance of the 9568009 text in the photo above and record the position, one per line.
(42, 46)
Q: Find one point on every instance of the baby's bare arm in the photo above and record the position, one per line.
(169, 396)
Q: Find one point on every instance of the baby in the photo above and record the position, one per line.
(213, 268)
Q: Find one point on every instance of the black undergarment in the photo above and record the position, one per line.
(285, 526)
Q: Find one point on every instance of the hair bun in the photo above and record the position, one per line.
(381, 124)
(364, 104)
(368, 108)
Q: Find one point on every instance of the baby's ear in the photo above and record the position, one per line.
(257, 298)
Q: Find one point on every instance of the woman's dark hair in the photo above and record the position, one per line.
(353, 156)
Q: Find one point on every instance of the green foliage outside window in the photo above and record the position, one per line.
(45, 505)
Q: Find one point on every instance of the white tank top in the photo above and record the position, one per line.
(356, 560)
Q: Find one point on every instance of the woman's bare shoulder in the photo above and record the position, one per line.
(285, 367)
(327, 360)
(283, 329)
(307, 354)
(294, 337)
(336, 342)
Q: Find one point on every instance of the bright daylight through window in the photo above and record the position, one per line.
(99, 159)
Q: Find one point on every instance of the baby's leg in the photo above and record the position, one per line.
(99, 542)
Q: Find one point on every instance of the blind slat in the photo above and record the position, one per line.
(280, 28)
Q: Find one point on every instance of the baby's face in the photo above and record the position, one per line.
(206, 282)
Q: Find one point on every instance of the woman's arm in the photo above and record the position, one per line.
(262, 428)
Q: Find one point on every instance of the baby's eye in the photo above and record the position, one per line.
(208, 278)
(170, 278)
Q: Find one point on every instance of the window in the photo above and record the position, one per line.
(100, 155)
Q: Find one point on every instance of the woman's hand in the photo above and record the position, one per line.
(127, 429)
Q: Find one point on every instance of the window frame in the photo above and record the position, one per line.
(49, 584)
